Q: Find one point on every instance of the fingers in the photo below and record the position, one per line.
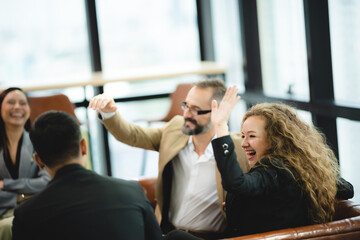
(221, 113)
(213, 106)
(103, 102)
(231, 95)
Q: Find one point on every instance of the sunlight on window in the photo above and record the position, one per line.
(345, 37)
(48, 43)
(283, 48)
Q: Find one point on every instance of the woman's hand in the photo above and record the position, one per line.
(220, 114)
(22, 197)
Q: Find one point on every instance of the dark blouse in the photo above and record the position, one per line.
(265, 199)
(13, 168)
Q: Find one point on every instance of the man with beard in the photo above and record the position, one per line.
(189, 191)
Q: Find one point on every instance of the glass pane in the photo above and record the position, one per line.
(349, 159)
(43, 41)
(142, 33)
(237, 116)
(129, 162)
(345, 37)
(227, 40)
(283, 48)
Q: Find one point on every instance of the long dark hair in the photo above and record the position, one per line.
(3, 136)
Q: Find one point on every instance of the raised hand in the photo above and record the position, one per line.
(103, 103)
(220, 114)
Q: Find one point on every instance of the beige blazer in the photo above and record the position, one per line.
(168, 141)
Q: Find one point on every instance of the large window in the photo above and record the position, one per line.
(283, 48)
(143, 35)
(344, 19)
(43, 41)
(227, 40)
(348, 156)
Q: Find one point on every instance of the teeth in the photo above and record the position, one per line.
(16, 115)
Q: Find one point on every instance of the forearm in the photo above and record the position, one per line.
(225, 156)
(27, 185)
(131, 134)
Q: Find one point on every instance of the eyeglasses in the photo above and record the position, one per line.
(192, 110)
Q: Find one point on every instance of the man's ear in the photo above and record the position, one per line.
(83, 147)
(38, 161)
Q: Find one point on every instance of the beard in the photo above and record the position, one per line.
(198, 128)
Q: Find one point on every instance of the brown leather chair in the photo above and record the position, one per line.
(346, 224)
(177, 97)
(59, 102)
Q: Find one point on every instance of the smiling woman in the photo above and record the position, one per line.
(15, 108)
(20, 177)
(255, 142)
(282, 189)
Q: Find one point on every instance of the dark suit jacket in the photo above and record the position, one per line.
(80, 204)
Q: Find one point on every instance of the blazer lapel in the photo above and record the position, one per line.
(26, 156)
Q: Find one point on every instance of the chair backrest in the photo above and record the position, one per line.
(149, 187)
(177, 97)
(59, 102)
(346, 209)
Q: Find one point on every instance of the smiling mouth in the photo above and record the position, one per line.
(17, 115)
(251, 153)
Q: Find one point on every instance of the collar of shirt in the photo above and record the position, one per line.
(209, 152)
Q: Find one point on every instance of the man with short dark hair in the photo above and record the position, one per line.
(78, 203)
(189, 191)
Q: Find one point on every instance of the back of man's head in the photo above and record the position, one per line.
(56, 137)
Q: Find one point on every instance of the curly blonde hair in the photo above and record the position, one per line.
(302, 148)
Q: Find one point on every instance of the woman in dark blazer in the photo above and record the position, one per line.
(19, 175)
(293, 176)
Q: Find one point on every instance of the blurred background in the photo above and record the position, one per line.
(301, 52)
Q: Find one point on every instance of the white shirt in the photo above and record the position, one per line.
(194, 200)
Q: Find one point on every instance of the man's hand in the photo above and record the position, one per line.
(103, 103)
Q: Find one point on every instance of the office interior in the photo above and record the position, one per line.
(299, 52)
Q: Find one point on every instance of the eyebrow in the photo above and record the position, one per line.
(192, 106)
(252, 131)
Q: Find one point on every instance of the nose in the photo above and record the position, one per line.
(17, 105)
(187, 112)
(244, 143)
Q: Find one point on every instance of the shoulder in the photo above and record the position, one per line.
(129, 185)
(26, 140)
(270, 162)
(277, 166)
(174, 125)
(177, 120)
